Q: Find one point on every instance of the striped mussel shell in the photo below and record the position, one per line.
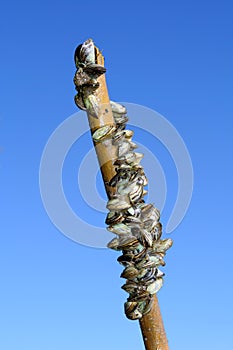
(162, 245)
(146, 263)
(120, 229)
(132, 311)
(140, 297)
(103, 133)
(151, 273)
(137, 193)
(119, 203)
(123, 148)
(120, 119)
(118, 138)
(114, 217)
(128, 242)
(126, 259)
(149, 212)
(130, 287)
(130, 272)
(117, 108)
(113, 244)
(155, 286)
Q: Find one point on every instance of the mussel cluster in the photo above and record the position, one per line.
(135, 223)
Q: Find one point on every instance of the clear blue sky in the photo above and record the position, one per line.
(172, 56)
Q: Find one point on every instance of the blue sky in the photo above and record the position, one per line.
(173, 57)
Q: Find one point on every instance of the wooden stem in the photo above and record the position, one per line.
(151, 324)
(152, 328)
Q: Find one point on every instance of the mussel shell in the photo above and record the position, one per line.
(146, 263)
(157, 259)
(79, 102)
(119, 203)
(126, 187)
(118, 138)
(142, 272)
(113, 244)
(123, 148)
(151, 273)
(147, 306)
(157, 231)
(159, 273)
(125, 259)
(147, 237)
(133, 220)
(121, 174)
(120, 119)
(130, 287)
(118, 108)
(137, 257)
(136, 194)
(120, 229)
(103, 133)
(128, 134)
(135, 314)
(114, 217)
(128, 242)
(130, 306)
(155, 286)
(143, 295)
(162, 245)
(130, 272)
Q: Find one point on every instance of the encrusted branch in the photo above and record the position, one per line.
(135, 223)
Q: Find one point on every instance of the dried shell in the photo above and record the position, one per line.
(163, 245)
(149, 275)
(103, 133)
(126, 242)
(148, 306)
(124, 147)
(147, 237)
(114, 217)
(141, 296)
(130, 272)
(113, 244)
(121, 174)
(146, 263)
(119, 203)
(157, 260)
(118, 138)
(130, 306)
(140, 254)
(79, 102)
(128, 133)
(159, 273)
(136, 194)
(120, 229)
(135, 314)
(120, 118)
(125, 259)
(155, 286)
(130, 287)
(157, 231)
(142, 272)
(117, 108)
(132, 220)
(148, 211)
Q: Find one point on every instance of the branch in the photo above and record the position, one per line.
(93, 97)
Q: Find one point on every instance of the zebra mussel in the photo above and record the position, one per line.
(136, 224)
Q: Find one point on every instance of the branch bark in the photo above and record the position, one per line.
(151, 324)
